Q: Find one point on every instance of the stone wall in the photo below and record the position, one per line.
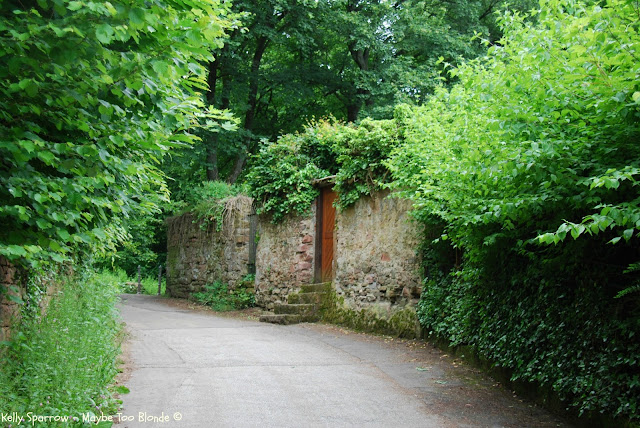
(377, 278)
(198, 254)
(376, 263)
(284, 257)
(13, 282)
(9, 310)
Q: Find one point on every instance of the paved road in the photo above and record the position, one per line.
(196, 369)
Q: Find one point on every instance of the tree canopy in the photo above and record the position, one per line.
(521, 159)
(296, 61)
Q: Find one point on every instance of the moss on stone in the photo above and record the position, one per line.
(401, 323)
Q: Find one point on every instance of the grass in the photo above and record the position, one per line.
(62, 363)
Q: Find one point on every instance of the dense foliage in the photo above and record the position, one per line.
(92, 95)
(282, 174)
(145, 246)
(64, 363)
(361, 152)
(523, 164)
(527, 174)
(300, 60)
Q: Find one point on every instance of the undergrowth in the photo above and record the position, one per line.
(62, 363)
(220, 298)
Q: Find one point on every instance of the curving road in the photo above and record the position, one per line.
(196, 369)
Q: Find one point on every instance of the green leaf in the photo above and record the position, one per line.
(46, 157)
(14, 250)
(136, 16)
(121, 389)
(43, 224)
(577, 230)
(63, 234)
(104, 33)
(160, 67)
(55, 246)
(99, 233)
(29, 86)
(74, 5)
(58, 258)
(15, 299)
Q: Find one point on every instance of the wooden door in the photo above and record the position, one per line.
(327, 217)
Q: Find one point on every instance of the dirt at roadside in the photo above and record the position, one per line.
(251, 314)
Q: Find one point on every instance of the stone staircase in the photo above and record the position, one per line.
(303, 306)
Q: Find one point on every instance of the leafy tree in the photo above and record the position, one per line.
(93, 95)
(298, 61)
(385, 52)
(526, 171)
(240, 78)
(542, 130)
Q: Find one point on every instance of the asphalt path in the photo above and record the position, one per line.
(197, 369)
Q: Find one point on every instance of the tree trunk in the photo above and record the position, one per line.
(212, 149)
(361, 58)
(352, 110)
(237, 168)
(212, 159)
(252, 100)
(212, 80)
(253, 83)
(216, 71)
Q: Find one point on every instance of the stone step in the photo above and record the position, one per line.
(310, 297)
(297, 309)
(325, 287)
(283, 319)
(315, 317)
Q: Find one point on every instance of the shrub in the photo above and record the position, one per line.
(206, 200)
(282, 173)
(529, 166)
(92, 97)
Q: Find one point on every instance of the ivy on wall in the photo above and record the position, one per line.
(282, 174)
